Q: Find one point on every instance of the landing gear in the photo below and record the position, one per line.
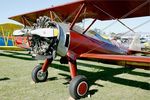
(78, 87)
(38, 75)
(40, 72)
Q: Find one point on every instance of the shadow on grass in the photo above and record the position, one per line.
(18, 53)
(15, 55)
(4, 79)
(130, 68)
(52, 78)
(139, 74)
(67, 78)
(108, 74)
(93, 91)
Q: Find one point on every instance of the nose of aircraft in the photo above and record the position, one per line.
(44, 32)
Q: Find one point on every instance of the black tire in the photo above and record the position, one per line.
(36, 77)
(74, 87)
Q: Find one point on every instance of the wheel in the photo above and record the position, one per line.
(38, 75)
(78, 87)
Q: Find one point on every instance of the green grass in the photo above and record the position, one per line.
(107, 82)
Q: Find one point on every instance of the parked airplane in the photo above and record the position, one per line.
(11, 43)
(56, 34)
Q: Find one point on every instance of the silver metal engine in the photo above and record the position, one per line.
(43, 46)
(44, 41)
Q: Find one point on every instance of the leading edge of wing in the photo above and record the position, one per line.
(32, 16)
(130, 58)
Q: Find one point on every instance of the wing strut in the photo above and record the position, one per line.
(134, 28)
(71, 14)
(127, 14)
(113, 17)
(25, 19)
(56, 16)
(78, 14)
(89, 25)
(51, 15)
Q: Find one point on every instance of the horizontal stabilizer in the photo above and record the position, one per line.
(135, 44)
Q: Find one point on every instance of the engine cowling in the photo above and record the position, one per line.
(47, 38)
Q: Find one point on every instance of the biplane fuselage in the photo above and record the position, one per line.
(80, 44)
(75, 45)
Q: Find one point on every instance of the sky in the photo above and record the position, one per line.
(10, 8)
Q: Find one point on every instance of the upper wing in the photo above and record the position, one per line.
(100, 9)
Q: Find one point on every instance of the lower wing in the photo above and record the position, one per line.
(140, 59)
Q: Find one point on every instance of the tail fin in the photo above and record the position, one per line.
(135, 44)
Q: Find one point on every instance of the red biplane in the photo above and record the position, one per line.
(56, 33)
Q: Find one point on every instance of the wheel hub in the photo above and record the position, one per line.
(41, 75)
(82, 88)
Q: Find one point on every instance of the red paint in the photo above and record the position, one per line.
(45, 65)
(82, 88)
(77, 15)
(84, 47)
(109, 6)
(73, 69)
(80, 44)
(22, 42)
(72, 64)
(117, 57)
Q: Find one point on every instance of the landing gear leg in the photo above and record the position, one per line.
(40, 72)
(78, 87)
(72, 67)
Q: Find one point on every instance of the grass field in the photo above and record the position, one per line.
(107, 82)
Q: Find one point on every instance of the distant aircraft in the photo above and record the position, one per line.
(11, 43)
(56, 34)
